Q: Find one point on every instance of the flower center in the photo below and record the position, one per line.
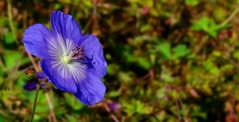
(65, 59)
(76, 54)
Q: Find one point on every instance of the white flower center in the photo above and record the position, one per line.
(65, 59)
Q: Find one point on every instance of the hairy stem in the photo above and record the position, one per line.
(34, 104)
(50, 104)
(114, 118)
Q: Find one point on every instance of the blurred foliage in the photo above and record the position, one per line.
(168, 60)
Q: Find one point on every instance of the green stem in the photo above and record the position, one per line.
(9, 13)
(230, 17)
(34, 104)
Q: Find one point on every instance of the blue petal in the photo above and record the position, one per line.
(35, 40)
(91, 90)
(30, 86)
(93, 49)
(66, 26)
(59, 75)
(40, 75)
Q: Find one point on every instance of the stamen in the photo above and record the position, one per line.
(78, 53)
(89, 62)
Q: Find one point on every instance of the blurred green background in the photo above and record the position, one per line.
(168, 61)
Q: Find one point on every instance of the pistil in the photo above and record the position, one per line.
(65, 59)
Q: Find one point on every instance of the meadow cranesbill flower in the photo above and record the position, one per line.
(73, 62)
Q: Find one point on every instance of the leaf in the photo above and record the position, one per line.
(21, 80)
(127, 54)
(3, 21)
(192, 2)
(135, 107)
(114, 94)
(9, 38)
(112, 69)
(11, 58)
(180, 51)
(125, 77)
(209, 66)
(236, 54)
(166, 75)
(165, 49)
(201, 24)
(73, 102)
(146, 27)
(143, 63)
(72, 119)
(207, 25)
(42, 103)
(1, 119)
(57, 6)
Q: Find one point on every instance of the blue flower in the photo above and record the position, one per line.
(73, 62)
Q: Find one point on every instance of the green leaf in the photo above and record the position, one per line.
(167, 76)
(9, 38)
(146, 27)
(216, 53)
(125, 77)
(73, 102)
(21, 80)
(180, 51)
(3, 21)
(143, 63)
(192, 2)
(1, 71)
(24, 61)
(114, 94)
(57, 6)
(236, 54)
(207, 25)
(227, 67)
(11, 58)
(201, 24)
(209, 66)
(42, 106)
(1, 119)
(165, 49)
(135, 107)
(112, 69)
(127, 54)
(72, 119)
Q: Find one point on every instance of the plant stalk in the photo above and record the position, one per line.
(34, 104)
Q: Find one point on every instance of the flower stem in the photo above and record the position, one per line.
(35, 101)
(9, 13)
(230, 17)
